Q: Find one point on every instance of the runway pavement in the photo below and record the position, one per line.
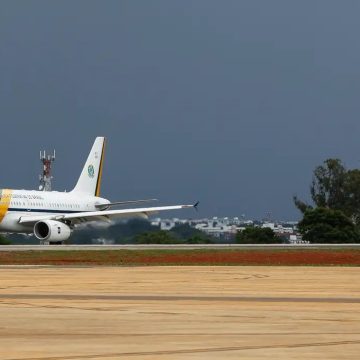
(64, 313)
(173, 247)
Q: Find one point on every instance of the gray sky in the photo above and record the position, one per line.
(229, 102)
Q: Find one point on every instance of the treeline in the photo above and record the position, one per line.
(257, 235)
(134, 231)
(4, 240)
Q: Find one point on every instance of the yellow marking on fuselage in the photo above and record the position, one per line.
(5, 199)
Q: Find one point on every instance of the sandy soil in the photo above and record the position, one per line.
(179, 313)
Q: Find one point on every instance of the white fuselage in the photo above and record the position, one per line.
(15, 204)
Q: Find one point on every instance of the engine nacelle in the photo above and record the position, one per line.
(51, 231)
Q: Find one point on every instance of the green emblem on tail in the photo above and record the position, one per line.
(91, 171)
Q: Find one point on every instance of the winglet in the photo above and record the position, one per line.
(196, 205)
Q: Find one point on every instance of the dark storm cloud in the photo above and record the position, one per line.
(229, 102)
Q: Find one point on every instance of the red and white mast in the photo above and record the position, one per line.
(46, 177)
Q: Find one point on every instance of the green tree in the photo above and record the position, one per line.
(4, 240)
(157, 237)
(190, 235)
(256, 235)
(328, 186)
(334, 187)
(184, 231)
(324, 225)
(198, 239)
(352, 195)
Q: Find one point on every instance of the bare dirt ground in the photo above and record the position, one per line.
(64, 313)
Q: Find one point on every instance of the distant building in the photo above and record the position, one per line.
(224, 229)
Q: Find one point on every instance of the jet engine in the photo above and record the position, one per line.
(51, 231)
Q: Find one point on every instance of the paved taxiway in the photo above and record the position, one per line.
(175, 247)
(64, 313)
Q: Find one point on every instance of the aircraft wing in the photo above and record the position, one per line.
(106, 215)
(121, 203)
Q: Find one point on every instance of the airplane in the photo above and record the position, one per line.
(52, 216)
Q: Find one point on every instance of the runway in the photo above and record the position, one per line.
(174, 247)
(64, 313)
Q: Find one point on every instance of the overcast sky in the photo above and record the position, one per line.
(230, 102)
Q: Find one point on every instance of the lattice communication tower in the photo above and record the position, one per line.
(46, 177)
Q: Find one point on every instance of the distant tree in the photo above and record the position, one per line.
(189, 234)
(121, 232)
(328, 186)
(129, 229)
(184, 231)
(334, 187)
(20, 239)
(256, 235)
(323, 225)
(301, 205)
(327, 189)
(352, 195)
(158, 237)
(196, 239)
(4, 240)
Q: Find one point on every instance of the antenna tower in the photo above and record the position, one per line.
(45, 178)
